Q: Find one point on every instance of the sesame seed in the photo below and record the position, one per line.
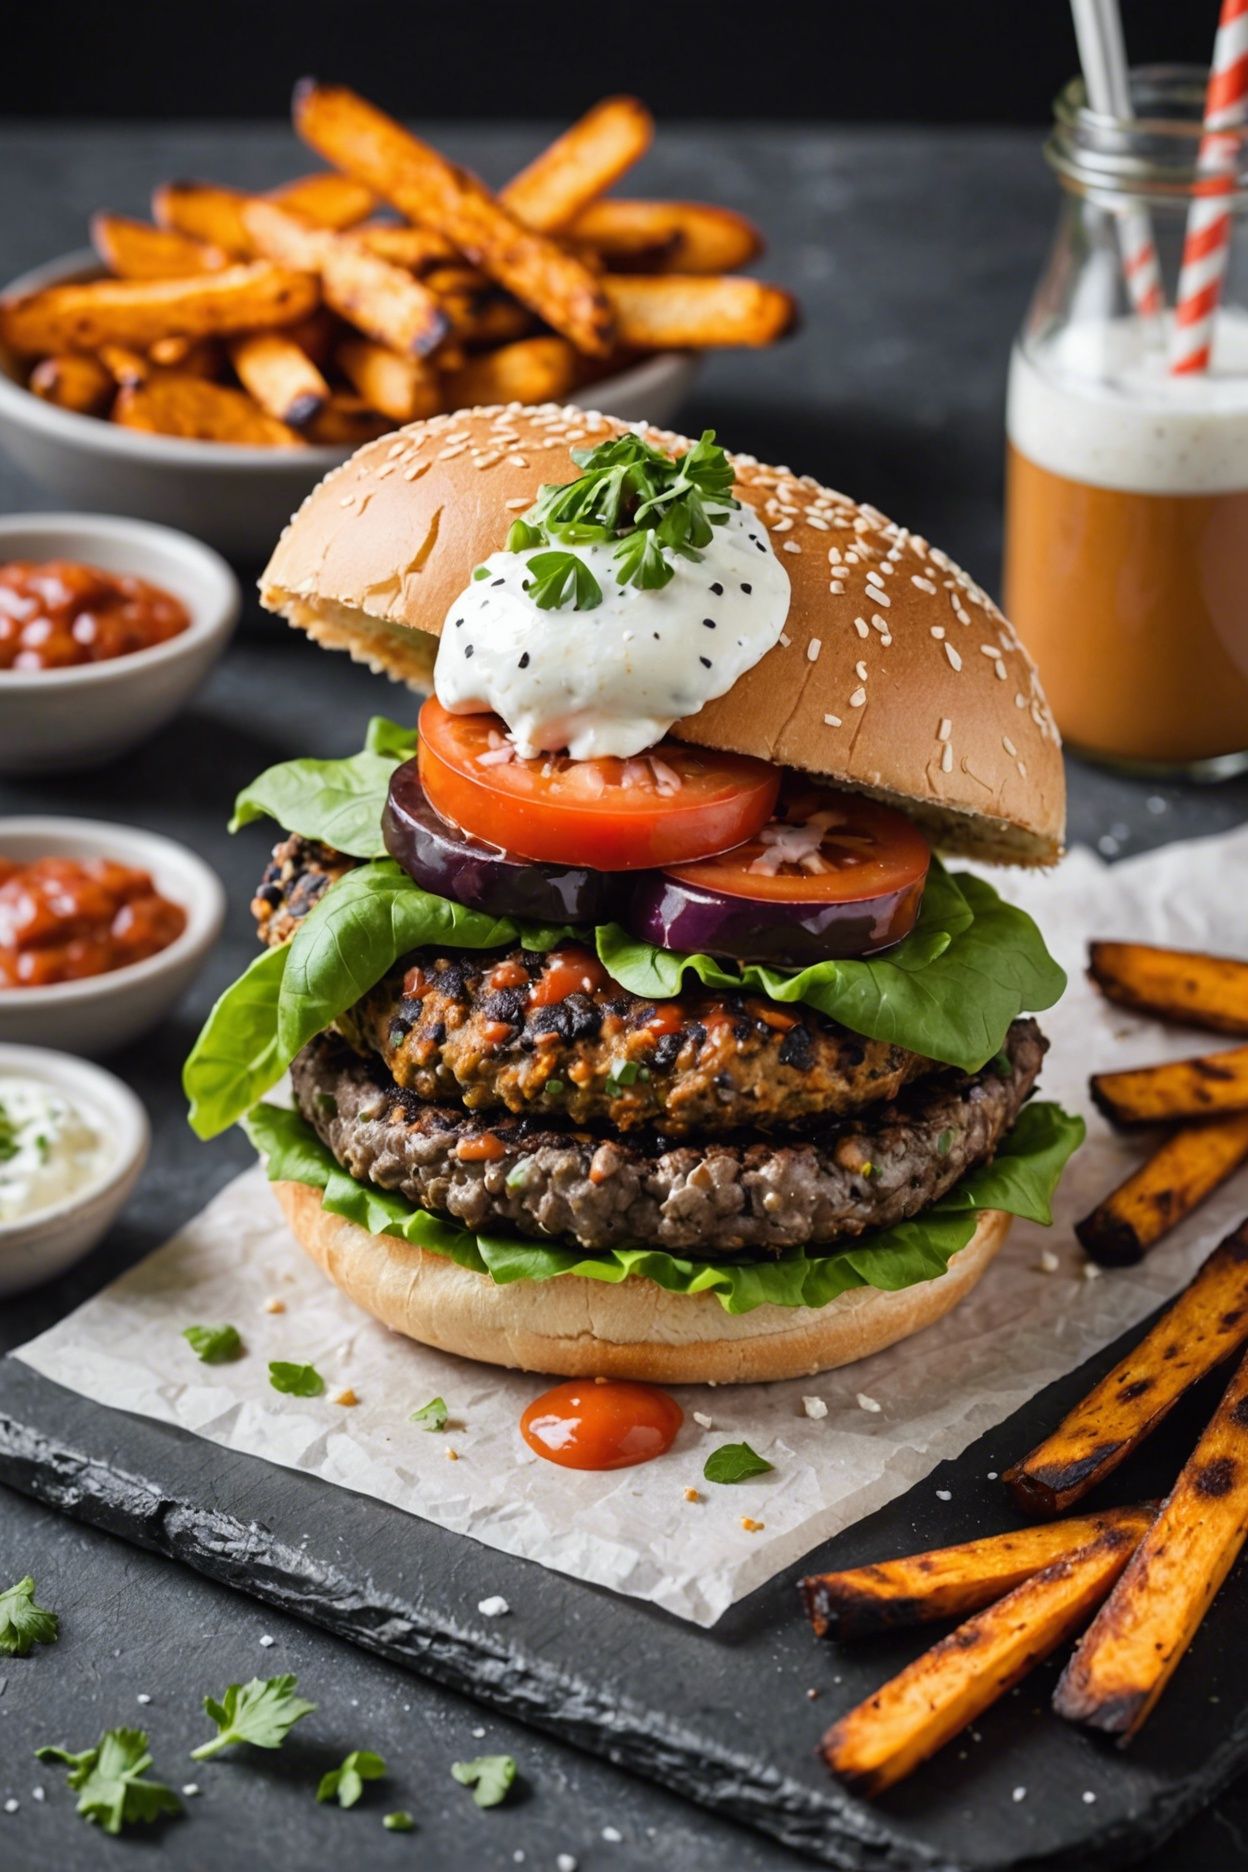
(782, 526)
(517, 461)
(792, 546)
(860, 625)
(415, 471)
(785, 639)
(990, 650)
(880, 596)
(814, 521)
(1009, 746)
(831, 721)
(860, 670)
(938, 632)
(955, 661)
(924, 584)
(747, 589)
(521, 500)
(943, 732)
(524, 660)
(836, 588)
(946, 758)
(705, 662)
(858, 699)
(487, 461)
(813, 648)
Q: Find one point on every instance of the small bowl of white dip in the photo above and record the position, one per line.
(73, 1142)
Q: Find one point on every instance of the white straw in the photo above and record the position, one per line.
(1103, 57)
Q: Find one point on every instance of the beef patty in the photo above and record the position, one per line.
(520, 1031)
(712, 1199)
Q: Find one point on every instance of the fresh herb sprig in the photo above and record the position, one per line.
(111, 1782)
(23, 1624)
(260, 1712)
(653, 506)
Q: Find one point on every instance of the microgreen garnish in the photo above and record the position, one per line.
(650, 505)
(214, 1345)
(560, 577)
(108, 1780)
(260, 1712)
(480, 572)
(296, 1380)
(23, 1624)
(346, 1784)
(734, 1462)
(8, 1136)
(489, 1776)
(431, 1416)
(399, 1822)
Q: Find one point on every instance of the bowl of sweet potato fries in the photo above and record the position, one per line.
(205, 368)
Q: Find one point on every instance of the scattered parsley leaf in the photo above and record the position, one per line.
(480, 572)
(431, 1416)
(400, 1822)
(734, 1462)
(261, 1712)
(639, 561)
(23, 1624)
(521, 536)
(109, 1783)
(8, 1136)
(346, 1783)
(296, 1380)
(489, 1776)
(560, 578)
(214, 1345)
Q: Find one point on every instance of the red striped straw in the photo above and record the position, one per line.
(1209, 219)
(1103, 58)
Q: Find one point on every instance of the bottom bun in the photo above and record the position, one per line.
(581, 1328)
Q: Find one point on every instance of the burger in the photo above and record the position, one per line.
(634, 1026)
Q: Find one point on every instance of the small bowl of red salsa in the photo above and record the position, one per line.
(107, 626)
(102, 928)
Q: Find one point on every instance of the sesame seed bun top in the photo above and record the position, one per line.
(896, 675)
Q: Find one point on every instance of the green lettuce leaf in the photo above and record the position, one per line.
(339, 802)
(949, 990)
(235, 1060)
(1021, 1180)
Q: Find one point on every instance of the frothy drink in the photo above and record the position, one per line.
(1127, 539)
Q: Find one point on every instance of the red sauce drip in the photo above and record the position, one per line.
(666, 1019)
(56, 615)
(62, 919)
(609, 1424)
(569, 971)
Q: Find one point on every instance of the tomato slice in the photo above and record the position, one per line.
(832, 875)
(665, 807)
(821, 847)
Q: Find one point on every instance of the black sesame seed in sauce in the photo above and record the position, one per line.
(458, 623)
(747, 589)
(524, 661)
(705, 662)
(708, 623)
(500, 581)
(467, 650)
(718, 589)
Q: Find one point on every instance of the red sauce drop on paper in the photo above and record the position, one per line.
(609, 1424)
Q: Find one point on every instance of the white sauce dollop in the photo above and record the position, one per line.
(48, 1150)
(612, 680)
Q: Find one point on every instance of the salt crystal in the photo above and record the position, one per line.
(814, 1407)
(493, 1607)
(868, 1403)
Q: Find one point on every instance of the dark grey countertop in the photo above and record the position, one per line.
(913, 253)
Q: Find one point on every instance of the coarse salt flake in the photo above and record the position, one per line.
(814, 1407)
(493, 1607)
(868, 1403)
(700, 1417)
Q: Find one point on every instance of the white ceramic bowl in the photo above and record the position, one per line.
(36, 1247)
(238, 499)
(107, 1011)
(59, 720)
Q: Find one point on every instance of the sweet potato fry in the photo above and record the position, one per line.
(345, 422)
(949, 1582)
(672, 311)
(1137, 1639)
(1190, 1088)
(75, 382)
(933, 1699)
(201, 357)
(482, 318)
(663, 237)
(432, 192)
(135, 250)
(415, 248)
(1155, 1198)
(204, 212)
(1205, 1325)
(1174, 984)
(383, 301)
(280, 376)
(173, 405)
(536, 370)
(402, 388)
(329, 198)
(138, 312)
(124, 364)
(581, 164)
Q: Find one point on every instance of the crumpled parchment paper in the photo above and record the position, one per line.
(889, 1420)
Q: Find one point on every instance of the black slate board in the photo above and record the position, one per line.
(720, 1716)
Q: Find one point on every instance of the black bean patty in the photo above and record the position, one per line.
(519, 1031)
(713, 1199)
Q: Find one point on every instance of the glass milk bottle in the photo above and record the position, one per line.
(1126, 561)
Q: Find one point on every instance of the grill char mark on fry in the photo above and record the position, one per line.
(1206, 1324)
